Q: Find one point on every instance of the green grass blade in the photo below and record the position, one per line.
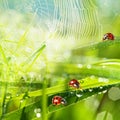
(98, 45)
(31, 60)
(71, 96)
(107, 68)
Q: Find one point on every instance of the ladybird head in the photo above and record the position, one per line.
(63, 101)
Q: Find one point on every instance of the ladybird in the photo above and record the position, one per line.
(58, 100)
(108, 36)
(74, 83)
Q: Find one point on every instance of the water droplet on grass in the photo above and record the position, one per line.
(38, 115)
(104, 91)
(8, 95)
(89, 66)
(37, 110)
(90, 90)
(100, 79)
(79, 94)
(101, 87)
(80, 65)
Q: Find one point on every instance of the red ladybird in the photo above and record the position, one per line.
(108, 36)
(74, 83)
(57, 100)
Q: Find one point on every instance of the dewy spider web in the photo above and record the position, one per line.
(76, 18)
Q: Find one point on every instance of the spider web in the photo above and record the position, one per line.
(78, 19)
(75, 18)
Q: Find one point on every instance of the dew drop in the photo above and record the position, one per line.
(79, 94)
(100, 79)
(101, 87)
(37, 110)
(8, 95)
(80, 65)
(104, 91)
(38, 115)
(89, 66)
(90, 90)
